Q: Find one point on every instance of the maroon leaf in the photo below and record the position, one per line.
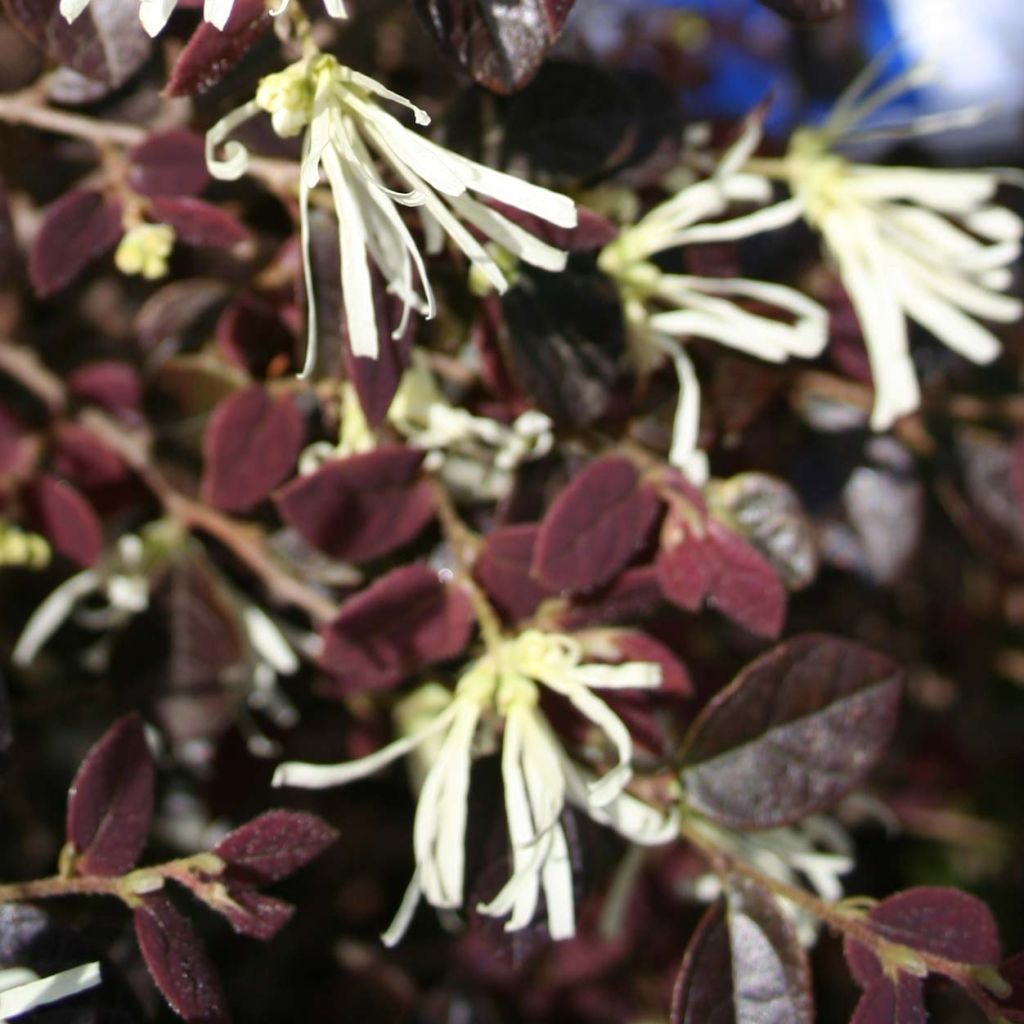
(404, 622)
(210, 54)
(78, 454)
(594, 527)
(946, 922)
(886, 1002)
(65, 518)
(254, 913)
(170, 163)
(250, 446)
(105, 43)
(178, 963)
(685, 563)
(76, 229)
(501, 46)
(632, 594)
(503, 569)
(110, 802)
(744, 965)
(796, 730)
(109, 384)
(1012, 972)
(274, 845)
(196, 222)
(361, 507)
(19, 447)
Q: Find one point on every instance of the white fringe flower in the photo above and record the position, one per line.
(927, 245)
(22, 990)
(348, 136)
(663, 309)
(154, 14)
(539, 777)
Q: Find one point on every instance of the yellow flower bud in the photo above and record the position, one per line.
(144, 250)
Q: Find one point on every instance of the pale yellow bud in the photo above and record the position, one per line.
(144, 250)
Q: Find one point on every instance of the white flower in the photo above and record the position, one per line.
(154, 13)
(928, 245)
(363, 151)
(663, 309)
(538, 776)
(22, 990)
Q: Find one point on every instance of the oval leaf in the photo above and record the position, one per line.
(68, 521)
(502, 568)
(171, 163)
(110, 802)
(361, 507)
(274, 845)
(404, 622)
(594, 527)
(196, 222)
(250, 446)
(794, 732)
(178, 963)
(75, 229)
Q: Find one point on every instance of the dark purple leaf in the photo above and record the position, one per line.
(110, 802)
(210, 54)
(594, 527)
(503, 569)
(361, 507)
(274, 845)
(942, 921)
(252, 334)
(633, 594)
(685, 564)
(59, 512)
(888, 1002)
(79, 455)
(109, 384)
(178, 963)
(401, 624)
(105, 43)
(796, 730)
(250, 446)
(254, 913)
(500, 45)
(806, 10)
(169, 163)
(1012, 972)
(744, 966)
(196, 222)
(76, 229)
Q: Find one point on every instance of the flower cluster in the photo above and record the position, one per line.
(504, 688)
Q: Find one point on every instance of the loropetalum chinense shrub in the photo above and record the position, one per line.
(591, 536)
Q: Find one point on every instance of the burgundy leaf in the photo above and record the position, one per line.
(105, 43)
(252, 334)
(254, 913)
(19, 446)
(946, 922)
(406, 621)
(686, 562)
(361, 507)
(250, 446)
(178, 963)
(59, 512)
(76, 229)
(633, 594)
(274, 845)
(210, 54)
(886, 1002)
(618, 645)
(196, 222)
(744, 966)
(169, 163)
(109, 384)
(502, 568)
(110, 802)
(796, 730)
(78, 454)
(594, 527)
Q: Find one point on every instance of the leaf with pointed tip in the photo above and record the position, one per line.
(254, 913)
(210, 53)
(168, 163)
(59, 512)
(401, 624)
(502, 568)
(274, 845)
(110, 802)
(250, 446)
(178, 963)
(744, 965)
(500, 45)
(888, 1002)
(76, 229)
(361, 507)
(795, 731)
(197, 222)
(594, 527)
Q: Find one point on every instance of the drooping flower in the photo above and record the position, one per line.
(374, 164)
(154, 14)
(539, 776)
(22, 990)
(927, 245)
(664, 309)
